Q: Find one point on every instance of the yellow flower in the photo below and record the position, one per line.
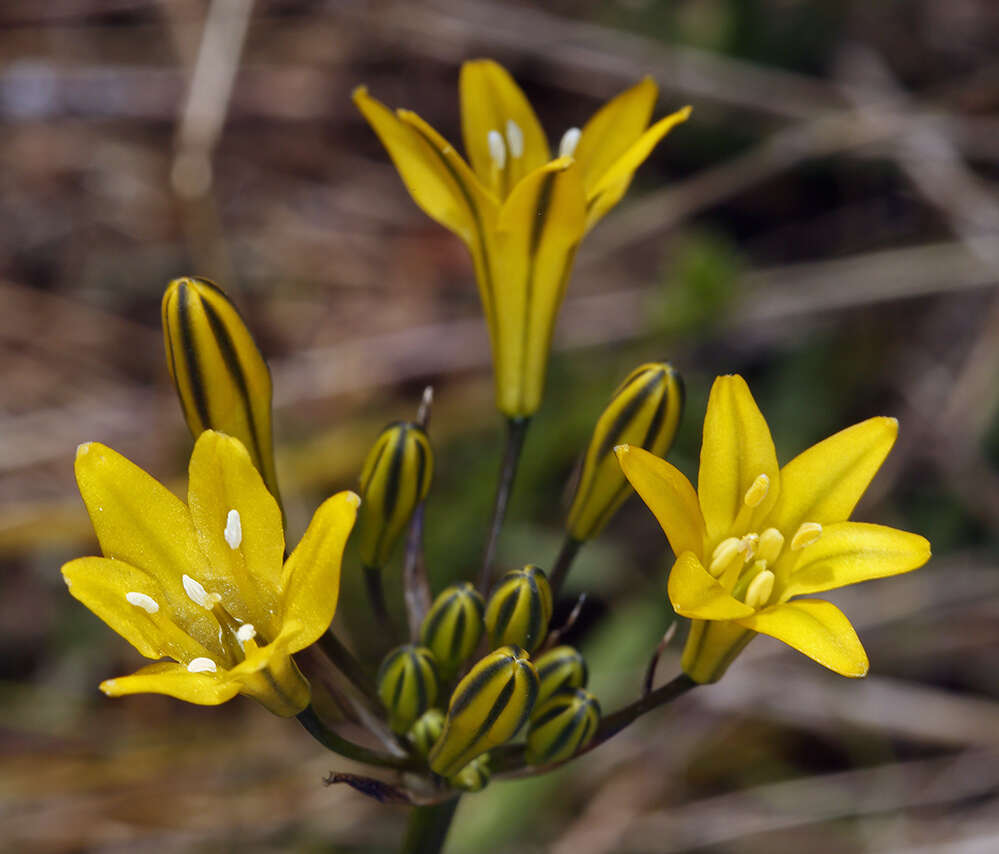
(754, 536)
(203, 583)
(521, 213)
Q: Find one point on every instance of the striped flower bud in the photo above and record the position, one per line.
(424, 733)
(453, 626)
(520, 609)
(221, 378)
(645, 411)
(394, 480)
(562, 726)
(560, 667)
(474, 777)
(487, 708)
(407, 684)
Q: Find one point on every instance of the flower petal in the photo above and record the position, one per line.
(539, 228)
(737, 448)
(824, 483)
(848, 552)
(489, 99)
(105, 587)
(245, 551)
(668, 495)
(694, 593)
(311, 578)
(614, 182)
(818, 629)
(140, 522)
(174, 680)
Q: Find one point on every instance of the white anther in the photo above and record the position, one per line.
(141, 600)
(771, 543)
(760, 589)
(514, 138)
(245, 632)
(757, 491)
(808, 533)
(202, 665)
(353, 499)
(724, 554)
(233, 529)
(570, 139)
(497, 150)
(198, 595)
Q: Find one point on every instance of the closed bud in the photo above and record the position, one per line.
(453, 626)
(407, 684)
(562, 726)
(424, 733)
(645, 412)
(519, 609)
(474, 777)
(394, 480)
(220, 375)
(560, 667)
(487, 708)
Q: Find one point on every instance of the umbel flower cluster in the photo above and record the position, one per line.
(480, 685)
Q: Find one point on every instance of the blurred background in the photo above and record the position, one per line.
(827, 224)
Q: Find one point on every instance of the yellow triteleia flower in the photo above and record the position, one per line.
(754, 535)
(521, 213)
(205, 583)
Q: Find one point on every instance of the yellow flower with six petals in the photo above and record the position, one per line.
(754, 536)
(521, 213)
(205, 584)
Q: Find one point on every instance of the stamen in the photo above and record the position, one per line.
(497, 150)
(141, 600)
(771, 544)
(757, 491)
(749, 544)
(760, 589)
(245, 632)
(197, 593)
(570, 139)
(202, 665)
(725, 553)
(233, 530)
(514, 138)
(808, 533)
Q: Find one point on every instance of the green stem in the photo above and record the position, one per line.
(516, 431)
(348, 665)
(338, 744)
(376, 596)
(428, 827)
(563, 563)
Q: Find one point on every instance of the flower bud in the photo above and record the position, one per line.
(562, 726)
(407, 684)
(487, 708)
(645, 412)
(394, 480)
(425, 732)
(221, 378)
(519, 609)
(474, 777)
(560, 667)
(453, 626)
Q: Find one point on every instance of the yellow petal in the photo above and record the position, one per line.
(848, 552)
(694, 593)
(140, 522)
(736, 450)
(818, 629)
(539, 228)
(311, 578)
(174, 680)
(239, 528)
(614, 182)
(824, 483)
(439, 181)
(132, 603)
(489, 100)
(668, 495)
(613, 129)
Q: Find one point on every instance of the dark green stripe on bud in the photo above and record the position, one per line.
(644, 411)
(520, 609)
(474, 777)
(394, 480)
(453, 626)
(562, 726)
(560, 667)
(220, 375)
(424, 733)
(487, 708)
(407, 684)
